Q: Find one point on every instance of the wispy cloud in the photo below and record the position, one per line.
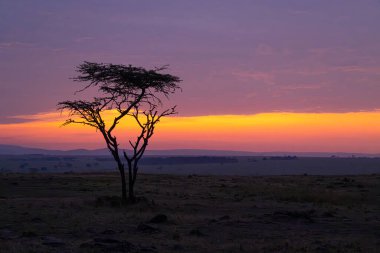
(358, 69)
(15, 44)
(261, 76)
(37, 117)
(83, 39)
(302, 87)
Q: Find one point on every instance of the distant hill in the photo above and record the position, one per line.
(19, 150)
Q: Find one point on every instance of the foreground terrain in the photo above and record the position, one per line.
(82, 213)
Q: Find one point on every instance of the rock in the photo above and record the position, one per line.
(176, 236)
(225, 217)
(87, 245)
(159, 218)
(106, 240)
(294, 215)
(212, 221)
(52, 241)
(177, 247)
(91, 230)
(28, 234)
(36, 220)
(148, 249)
(145, 228)
(109, 232)
(108, 245)
(196, 232)
(328, 214)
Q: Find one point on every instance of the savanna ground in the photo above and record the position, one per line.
(178, 213)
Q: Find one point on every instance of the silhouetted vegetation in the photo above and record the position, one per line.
(131, 92)
(283, 158)
(187, 160)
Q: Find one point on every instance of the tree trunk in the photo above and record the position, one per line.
(131, 194)
(123, 184)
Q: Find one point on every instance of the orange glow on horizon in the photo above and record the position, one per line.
(323, 132)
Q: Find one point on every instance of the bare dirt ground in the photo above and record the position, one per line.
(82, 213)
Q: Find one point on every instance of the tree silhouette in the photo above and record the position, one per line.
(131, 92)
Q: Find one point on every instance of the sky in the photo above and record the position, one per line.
(241, 62)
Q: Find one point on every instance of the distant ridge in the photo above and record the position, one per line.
(19, 150)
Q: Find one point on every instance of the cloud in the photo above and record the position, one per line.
(308, 71)
(264, 77)
(56, 50)
(15, 44)
(38, 117)
(358, 69)
(43, 116)
(83, 39)
(302, 87)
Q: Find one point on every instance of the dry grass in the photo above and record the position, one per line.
(82, 213)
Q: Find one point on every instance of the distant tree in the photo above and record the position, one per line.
(131, 92)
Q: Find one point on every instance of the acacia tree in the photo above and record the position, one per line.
(131, 92)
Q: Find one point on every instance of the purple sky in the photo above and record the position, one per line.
(235, 57)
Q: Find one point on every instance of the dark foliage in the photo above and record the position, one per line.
(131, 91)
